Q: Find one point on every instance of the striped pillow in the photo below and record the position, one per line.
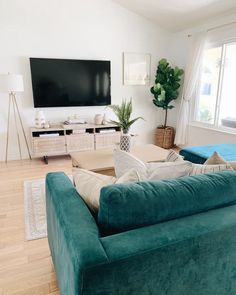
(202, 169)
(215, 159)
(173, 157)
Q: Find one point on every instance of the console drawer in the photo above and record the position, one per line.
(49, 146)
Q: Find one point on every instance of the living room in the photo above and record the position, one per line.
(75, 248)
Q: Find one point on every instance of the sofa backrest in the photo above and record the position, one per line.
(127, 206)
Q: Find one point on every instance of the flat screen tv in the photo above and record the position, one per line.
(70, 83)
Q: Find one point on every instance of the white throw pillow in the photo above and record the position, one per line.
(202, 169)
(173, 157)
(124, 161)
(168, 170)
(89, 184)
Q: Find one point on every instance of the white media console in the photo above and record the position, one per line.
(64, 139)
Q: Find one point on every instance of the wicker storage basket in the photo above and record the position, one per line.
(165, 137)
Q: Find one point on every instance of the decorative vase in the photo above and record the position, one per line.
(98, 119)
(125, 142)
(165, 137)
(104, 120)
(40, 120)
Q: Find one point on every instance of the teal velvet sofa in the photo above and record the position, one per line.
(175, 237)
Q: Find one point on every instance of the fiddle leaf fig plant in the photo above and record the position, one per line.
(166, 88)
(123, 113)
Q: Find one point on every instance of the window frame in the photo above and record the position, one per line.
(194, 105)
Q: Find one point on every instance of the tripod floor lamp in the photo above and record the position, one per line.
(11, 84)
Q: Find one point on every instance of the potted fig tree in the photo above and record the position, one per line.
(165, 90)
(123, 113)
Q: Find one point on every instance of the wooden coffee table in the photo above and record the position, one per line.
(101, 161)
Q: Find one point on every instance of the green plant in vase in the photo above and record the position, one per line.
(165, 90)
(123, 113)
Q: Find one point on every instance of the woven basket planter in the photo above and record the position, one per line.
(165, 137)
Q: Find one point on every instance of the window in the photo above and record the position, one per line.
(216, 105)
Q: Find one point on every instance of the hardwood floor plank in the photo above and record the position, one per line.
(25, 266)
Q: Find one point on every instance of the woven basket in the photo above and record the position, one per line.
(165, 137)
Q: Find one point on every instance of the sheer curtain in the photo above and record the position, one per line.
(191, 80)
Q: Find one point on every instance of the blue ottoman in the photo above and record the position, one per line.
(199, 154)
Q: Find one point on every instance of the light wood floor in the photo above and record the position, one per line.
(25, 266)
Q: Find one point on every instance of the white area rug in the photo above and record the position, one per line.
(35, 209)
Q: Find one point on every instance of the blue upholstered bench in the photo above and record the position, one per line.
(199, 154)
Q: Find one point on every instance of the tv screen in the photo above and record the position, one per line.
(67, 82)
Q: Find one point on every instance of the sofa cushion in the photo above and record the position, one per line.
(89, 184)
(125, 207)
(124, 161)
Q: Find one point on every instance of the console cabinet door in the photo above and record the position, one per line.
(80, 142)
(105, 140)
(49, 146)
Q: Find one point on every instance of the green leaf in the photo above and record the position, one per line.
(167, 84)
(123, 114)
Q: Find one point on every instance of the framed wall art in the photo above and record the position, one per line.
(136, 68)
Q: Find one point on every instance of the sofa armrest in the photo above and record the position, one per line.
(72, 233)
(191, 255)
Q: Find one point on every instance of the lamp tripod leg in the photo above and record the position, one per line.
(22, 127)
(8, 125)
(18, 137)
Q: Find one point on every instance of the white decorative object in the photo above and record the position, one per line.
(136, 68)
(125, 142)
(40, 120)
(104, 120)
(47, 125)
(98, 119)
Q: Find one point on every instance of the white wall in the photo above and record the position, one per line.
(203, 136)
(92, 29)
(181, 42)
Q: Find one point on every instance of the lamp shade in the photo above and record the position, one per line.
(11, 83)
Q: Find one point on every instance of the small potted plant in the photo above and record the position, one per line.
(165, 90)
(123, 113)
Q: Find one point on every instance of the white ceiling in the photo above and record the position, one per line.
(178, 15)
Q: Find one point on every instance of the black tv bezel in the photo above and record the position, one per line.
(71, 59)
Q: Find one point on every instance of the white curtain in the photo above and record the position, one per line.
(191, 80)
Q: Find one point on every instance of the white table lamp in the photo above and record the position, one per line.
(12, 83)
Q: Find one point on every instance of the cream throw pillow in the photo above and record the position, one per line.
(214, 159)
(202, 169)
(89, 184)
(124, 161)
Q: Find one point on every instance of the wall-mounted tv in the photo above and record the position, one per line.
(68, 82)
